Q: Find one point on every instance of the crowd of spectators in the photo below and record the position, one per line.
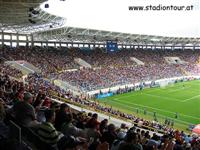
(109, 69)
(6, 69)
(31, 104)
(89, 79)
(48, 60)
(62, 128)
(117, 68)
(35, 82)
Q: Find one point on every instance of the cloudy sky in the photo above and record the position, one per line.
(114, 15)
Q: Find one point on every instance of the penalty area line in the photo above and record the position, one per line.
(191, 98)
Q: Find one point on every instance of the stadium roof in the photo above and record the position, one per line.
(114, 15)
(101, 20)
(90, 35)
(25, 16)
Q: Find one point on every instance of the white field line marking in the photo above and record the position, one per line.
(174, 99)
(148, 93)
(193, 90)
(119, 102)
(162, 97)
(179, 89)
(163, 89)
(133, 95)
(154, 90)
(191, 98)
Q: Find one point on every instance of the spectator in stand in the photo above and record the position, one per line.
(93, 134)
(123, 128)
(81, 119)
(154, 142)
(68, 128)
(19, 97)
(25, 112)
(103, 126)
(46, 131)
(120, 137)
(130, 142)
(93, 120)
(39, 99)
(72, 143)
(61, 115)
(4, 130)
(110, 135)
(47, 103)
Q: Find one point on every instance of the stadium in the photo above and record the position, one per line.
(99, 75)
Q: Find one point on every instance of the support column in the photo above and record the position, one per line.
(2, 37)
(10, 40)
(32, 41)
(183, 47)
(27, 42)
(17, 36)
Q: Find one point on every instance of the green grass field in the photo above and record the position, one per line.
(183, 98)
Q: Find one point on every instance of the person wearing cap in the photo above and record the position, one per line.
(24, 112)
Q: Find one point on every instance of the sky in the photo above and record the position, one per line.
(114, 15)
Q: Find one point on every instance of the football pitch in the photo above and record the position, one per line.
(182, 98)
